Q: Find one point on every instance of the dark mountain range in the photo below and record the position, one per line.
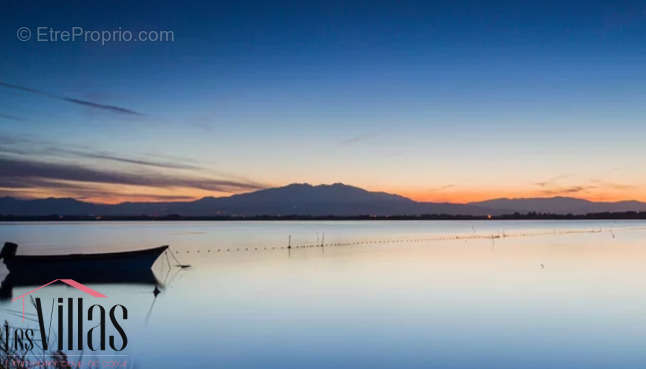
(295, 199)
(559, 205)
(304, 199)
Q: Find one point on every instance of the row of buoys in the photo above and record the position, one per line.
(493, 236)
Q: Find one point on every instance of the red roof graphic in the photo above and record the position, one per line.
(69, 282)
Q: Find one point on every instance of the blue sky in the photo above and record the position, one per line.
(451, 101)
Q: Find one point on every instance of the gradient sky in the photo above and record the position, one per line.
(450, 101)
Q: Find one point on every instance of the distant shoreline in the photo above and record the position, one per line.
(516, 216)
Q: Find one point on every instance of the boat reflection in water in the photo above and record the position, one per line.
(131, 267)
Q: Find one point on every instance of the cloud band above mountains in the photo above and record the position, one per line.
(113, 108)
(18, 173)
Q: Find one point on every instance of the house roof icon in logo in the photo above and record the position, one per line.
(69, 282)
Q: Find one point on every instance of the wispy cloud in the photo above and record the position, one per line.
(18, 173)
(121, 159)
(28, 147)
(11, 140)
(566, 190)
(552, 180)
(116, 109)
(445, 187)
(13, 150)
(555, 186)
(356, 139)
(11, 117)
(90, 194)
(441, 188)
(113, 108)
(33, 187)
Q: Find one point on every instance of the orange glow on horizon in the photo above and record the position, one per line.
(113, 194)
(467, 196)
(456, 197)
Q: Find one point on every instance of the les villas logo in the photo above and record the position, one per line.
(94, 325)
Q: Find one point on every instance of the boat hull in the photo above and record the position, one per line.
(70, 266)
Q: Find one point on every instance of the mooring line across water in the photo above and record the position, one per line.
(454, 237)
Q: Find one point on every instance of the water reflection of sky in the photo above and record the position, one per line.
(484, 303)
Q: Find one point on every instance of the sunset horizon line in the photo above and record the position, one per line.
(119, 198)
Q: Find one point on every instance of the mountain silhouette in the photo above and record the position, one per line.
(559, 205)
(306, 200)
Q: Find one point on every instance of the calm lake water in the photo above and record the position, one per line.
(380, 294)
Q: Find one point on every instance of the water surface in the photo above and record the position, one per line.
(380, 294)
